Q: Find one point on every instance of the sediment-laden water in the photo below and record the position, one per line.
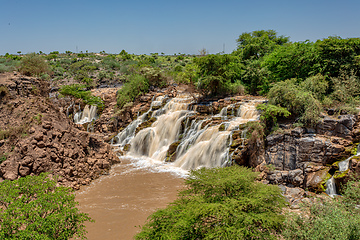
(150, 175)
(125, 198)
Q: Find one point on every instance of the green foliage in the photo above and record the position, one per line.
(254, 77)
(293, 60)
(257, 44)
(270, 113)
(346, 88)
(317, 85)
(217, 72)
(79, 91)
(34, 208)
(154, 76)
(33, 65)
(337, 54)
(135, 86)
(8, 65)
(219, 203)
(302, 103)
(110, 62)
(337, 218)
(188, 75)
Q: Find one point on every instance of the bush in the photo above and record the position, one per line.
(346, 88)
(337, 218)
(34, 65)
(78, 91)
(301, 103)
(8, 65)
(219, 203)
(270, 113)
(135, 86)
(317, 85)
(154, 76)
(34, 208)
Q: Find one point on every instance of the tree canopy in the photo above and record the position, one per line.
(219, 203)
(33, 207)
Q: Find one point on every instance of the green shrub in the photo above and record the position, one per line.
(270, 113)
(317, 85)
(189, 75)
(301, 103)
(346, 88)
(154, 76)
(34, 65)
(110, 62)
(327, 219)
(217, 72)
(135, 86)
(8, 65)
(34, 208)
(219, 203)
(79, 91)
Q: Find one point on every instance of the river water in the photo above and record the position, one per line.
(122, 200)
(144, 181)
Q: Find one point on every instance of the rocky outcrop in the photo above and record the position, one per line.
(301, 157)
(36, 136)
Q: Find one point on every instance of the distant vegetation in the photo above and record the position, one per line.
(325, 73)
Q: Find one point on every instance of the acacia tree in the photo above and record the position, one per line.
(34, 208)
(219, 203)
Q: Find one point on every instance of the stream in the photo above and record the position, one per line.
(122, 200)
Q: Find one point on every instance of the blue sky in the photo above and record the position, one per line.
(144, 27)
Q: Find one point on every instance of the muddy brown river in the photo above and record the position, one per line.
(122, 200)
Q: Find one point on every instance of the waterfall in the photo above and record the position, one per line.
(344, 165)
(67, 109)
(331, 187)
(87, 115)
(198, 142)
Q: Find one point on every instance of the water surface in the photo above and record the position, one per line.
(125, 198)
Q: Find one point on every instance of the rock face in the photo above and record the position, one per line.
(36, 136)
(301, 157)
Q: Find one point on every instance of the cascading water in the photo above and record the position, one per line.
(331, 187)
(87, 115)
(343, 166)
(197, 144)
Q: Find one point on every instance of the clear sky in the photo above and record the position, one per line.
(144, 27)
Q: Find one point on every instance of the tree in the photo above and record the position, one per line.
(219, 203)
(293, 60)
(34, 65)
(258, 43)
(34, 208)
(218, 72)
(337, 55)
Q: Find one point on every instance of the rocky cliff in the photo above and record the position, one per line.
(36, 136)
